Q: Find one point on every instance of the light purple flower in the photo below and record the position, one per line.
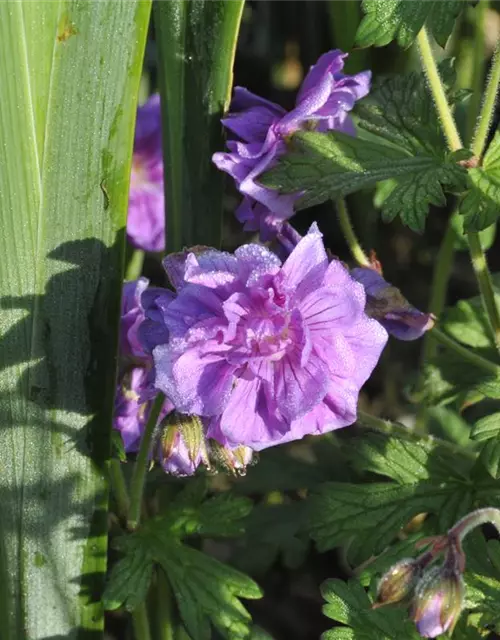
(385, 303)
(146, 207)
(259, 129)
(267, 352)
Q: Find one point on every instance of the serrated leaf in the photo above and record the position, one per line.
(481, 205)
(401, 20)
(467, 323)
(487, 236)
(372, 514)
(207, 592)
(405, 461)
(405, 150)
(489, 458)
(349, 604)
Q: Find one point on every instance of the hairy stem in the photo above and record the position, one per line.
(350, 236)
(488, 515)
(488, 106)
(464, 353)
(141, 464)
(475, 79)
(480, 266)
(438, 93)
(395, 428)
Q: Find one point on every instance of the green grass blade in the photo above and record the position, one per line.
(69, 73)
(196, 44)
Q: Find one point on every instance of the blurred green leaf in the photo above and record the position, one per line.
(196, 47)
(273, 531)
(350, 605)
(481, 205)
(486, 428)
(69, 73)
(401, 20)
(207, 592)
(487, 236)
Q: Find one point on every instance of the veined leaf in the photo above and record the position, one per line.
(69, 73)
(406, 149)
(387, 20)
(481, 205)
(196, 45)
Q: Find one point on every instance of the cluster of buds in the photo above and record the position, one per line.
(435, 594)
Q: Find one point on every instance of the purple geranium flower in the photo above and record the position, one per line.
(385, 303)
(267, 352)
(260, 129)
(146, 207)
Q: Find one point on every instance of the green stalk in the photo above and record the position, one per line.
(488, 106)
(141, 464)
(141, 623)
(134, 268)
(350, 236)
(478, 257)
(164, 608)
(397, 429)
(475, 81)
(119, 488)
(480, 266)
(464, 353)
(439, 286)
(438, 93)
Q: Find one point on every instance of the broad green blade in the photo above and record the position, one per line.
(69, 77)
(196, 44)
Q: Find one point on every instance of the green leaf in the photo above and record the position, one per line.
(405, 148)
(273, 531)
(401, 20)
(486, 428)
(372, 514)
(206, 590)
(69, 73)
(482, 577)
(467, 323)
(350, 605)
(196, 47)
(481, 205)
(487, 236)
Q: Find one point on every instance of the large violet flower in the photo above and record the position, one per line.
(259, 128)
(146, 215)
(267, 352)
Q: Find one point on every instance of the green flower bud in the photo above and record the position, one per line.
(398, 582)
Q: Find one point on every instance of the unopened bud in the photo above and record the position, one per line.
(234, 461)
(398, 582)
(438, 601)
(182, 446)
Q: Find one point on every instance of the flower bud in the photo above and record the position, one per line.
(182, 446)
(398, 582)
(234, 461)
(438, 601)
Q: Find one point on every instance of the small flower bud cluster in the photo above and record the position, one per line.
(435, 594)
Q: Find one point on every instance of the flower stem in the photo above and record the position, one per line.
(480, 266)
(350, 236)
(397, 429)
(119, 488)
(134, 268)
(141, 464)
(164, 608)
(141, 623)
(464, 353)
(474, 81)
(438, 92)
(488, 106)
(475, 519)
(439, 286)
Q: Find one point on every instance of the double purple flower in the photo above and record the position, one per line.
(259, 129)
(266, 352)
(146, 207)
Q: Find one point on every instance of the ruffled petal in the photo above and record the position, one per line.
(305, 268)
